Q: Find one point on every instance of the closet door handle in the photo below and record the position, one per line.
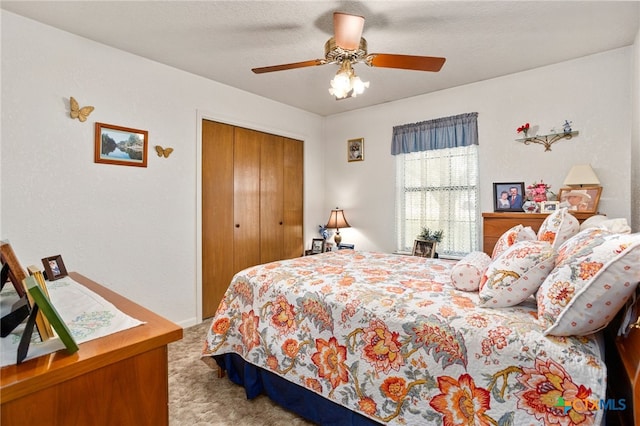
(237, 225)
(280, 222)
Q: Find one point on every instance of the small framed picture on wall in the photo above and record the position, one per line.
(355, 149)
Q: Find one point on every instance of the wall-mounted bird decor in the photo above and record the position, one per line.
(77, 112)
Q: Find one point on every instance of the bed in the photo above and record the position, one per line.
(352, 337)
(365, 338)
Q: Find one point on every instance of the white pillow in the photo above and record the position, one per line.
(596, 272)
(516, 274)
(616, 225)
(512, 236)
(592, 221)
(467, 273)
(558, 227)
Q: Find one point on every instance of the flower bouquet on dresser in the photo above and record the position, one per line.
(536, 193)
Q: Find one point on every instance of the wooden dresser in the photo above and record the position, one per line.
(119, 379)
(496, 224)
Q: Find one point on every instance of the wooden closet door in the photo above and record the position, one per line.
(246, 202)
(217, 213)
(271, 199)
(293, 193)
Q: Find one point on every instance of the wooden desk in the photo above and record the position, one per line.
(496, 224)
(120, 379)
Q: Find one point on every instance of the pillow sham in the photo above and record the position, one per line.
(617, 225)
(592, 221)
(558, 227)
(596, 272)
(516, 274)
(467, 273)
(512, 236)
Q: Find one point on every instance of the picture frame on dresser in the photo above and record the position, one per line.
(581, 199)
(548, 206)
(508, 196)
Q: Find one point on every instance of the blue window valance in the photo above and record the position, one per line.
(440, 133)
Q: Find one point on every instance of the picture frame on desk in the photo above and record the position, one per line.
(41, 300)
(502, 196)
(11, 264)
(54, 267)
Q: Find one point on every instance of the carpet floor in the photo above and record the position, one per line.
(197, 397)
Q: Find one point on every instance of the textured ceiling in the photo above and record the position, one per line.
(223, 40)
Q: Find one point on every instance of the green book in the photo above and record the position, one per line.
(50, 312)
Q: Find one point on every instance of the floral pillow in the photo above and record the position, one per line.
(512, 236)
(596, 272)
(516, 274)
(558, 227)
(467, 273)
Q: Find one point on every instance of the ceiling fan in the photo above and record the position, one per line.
(347, 47)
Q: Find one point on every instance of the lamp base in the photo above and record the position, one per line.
(337, 238)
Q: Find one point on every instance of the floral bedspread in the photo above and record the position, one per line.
(389, 337)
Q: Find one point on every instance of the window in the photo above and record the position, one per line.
(437, 182)
(438, 189)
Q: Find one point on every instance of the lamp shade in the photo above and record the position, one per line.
(581, 174)
(337, 219)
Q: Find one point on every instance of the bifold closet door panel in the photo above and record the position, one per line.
(293, 191)
(217, 213)
(246, 202)
(271, 199)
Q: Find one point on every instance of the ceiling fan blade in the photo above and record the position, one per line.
(283, 67)
(405, 62)
(347, 30)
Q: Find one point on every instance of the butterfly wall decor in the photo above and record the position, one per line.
(166, 152)
(77, 112)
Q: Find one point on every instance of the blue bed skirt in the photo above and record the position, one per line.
(294, 398)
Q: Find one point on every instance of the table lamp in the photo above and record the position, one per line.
(337, 220)
(580, 175)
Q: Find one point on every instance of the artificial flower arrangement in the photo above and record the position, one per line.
(431, 235)
(537, 191)
(524, 129)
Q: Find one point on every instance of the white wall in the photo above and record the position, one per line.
(134, 230)
(137, 230)
(593, 92)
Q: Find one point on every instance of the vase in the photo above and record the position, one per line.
(530, 206)
(538, 198)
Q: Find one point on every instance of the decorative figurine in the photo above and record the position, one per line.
(323, 231)
(567, 126)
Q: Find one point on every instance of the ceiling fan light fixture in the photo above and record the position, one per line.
(358, 85)
(346, 83)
